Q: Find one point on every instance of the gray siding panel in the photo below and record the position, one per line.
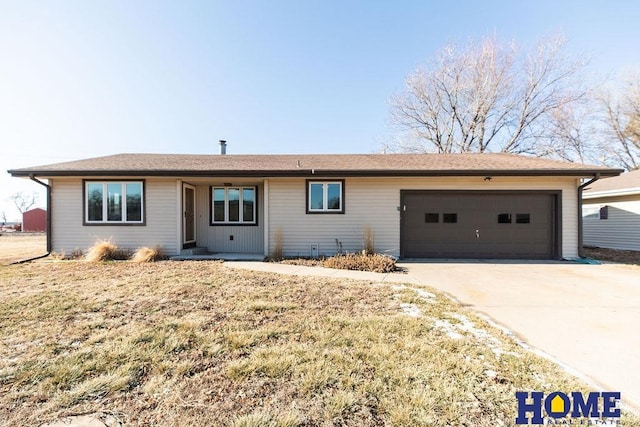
(69, 233)
(375, 202)
(620, 231)
(216, 238)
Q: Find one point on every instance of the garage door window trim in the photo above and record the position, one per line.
(450, 218)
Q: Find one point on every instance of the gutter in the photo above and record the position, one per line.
(344, 173)
(580, 221)
(49, 242)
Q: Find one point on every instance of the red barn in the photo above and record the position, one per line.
(34, 220)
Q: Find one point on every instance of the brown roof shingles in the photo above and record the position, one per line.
(627, 181)
(308, 164)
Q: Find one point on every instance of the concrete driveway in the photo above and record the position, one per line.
(586, 316)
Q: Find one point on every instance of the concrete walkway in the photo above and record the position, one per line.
(584, 316)
(299, 270)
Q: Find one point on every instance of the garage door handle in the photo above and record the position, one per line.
(477, 234)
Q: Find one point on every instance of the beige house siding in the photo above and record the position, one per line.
(217, 238)
(368, 201)
(622, 228)
(375, 202)
(69, 234)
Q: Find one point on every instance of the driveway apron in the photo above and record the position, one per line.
(586, 316)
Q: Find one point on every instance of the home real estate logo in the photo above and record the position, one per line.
(576, 408)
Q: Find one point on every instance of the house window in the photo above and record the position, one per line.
(233, 205)
(325, 196)
(604, 212)
(523, 218)
(114, 202)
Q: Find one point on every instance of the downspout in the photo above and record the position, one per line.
(49, 242)
(580, 226)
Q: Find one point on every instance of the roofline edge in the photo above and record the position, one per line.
(17, 173)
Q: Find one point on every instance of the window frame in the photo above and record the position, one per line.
(105, 221)
(240, 189)
(432, 218)
(324, 210)
(449, 217)
(502, 216)
(603, 213)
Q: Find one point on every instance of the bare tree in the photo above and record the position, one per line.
(570, 133)
(23, 201)
(620, 143)
(490, 97)
(3, 215)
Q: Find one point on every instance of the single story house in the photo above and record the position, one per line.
(34, 220)
(611, 212)
(416, 205)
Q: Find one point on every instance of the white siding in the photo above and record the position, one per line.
(69, 233)
(620, 231)
(217, 238)
(375, 202)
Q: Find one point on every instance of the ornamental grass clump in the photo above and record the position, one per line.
(147, 255)
(102, 250)
(362, 262)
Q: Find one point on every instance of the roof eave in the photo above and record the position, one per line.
(312, 172)
(611, 193)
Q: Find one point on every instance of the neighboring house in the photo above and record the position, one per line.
(417, 205)
(34, 220)
(611, 212)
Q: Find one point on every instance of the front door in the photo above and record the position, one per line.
(189, 216)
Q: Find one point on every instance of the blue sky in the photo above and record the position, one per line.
(88, 78)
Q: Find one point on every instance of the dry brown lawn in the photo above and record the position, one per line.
(19, 246)
(195, 343)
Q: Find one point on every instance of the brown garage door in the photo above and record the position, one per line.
(507, 225)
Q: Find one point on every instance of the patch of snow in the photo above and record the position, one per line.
(449, 329)
(421, 293)
(490, 373)
(466, 326)
(410, 310)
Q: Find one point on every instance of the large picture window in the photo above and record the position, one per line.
(114, 202)
(325, 196)
(233, 205)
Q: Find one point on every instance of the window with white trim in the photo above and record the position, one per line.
(325, 196)
(114, 202)
(233, 205)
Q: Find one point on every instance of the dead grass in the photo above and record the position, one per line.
(369, 244)
(19, 246)
(147, 255)
(361, 262)
(193, 343)
(102, 250)
(613, 255)
(277, 253)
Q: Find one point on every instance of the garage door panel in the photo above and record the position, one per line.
(487, 225)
